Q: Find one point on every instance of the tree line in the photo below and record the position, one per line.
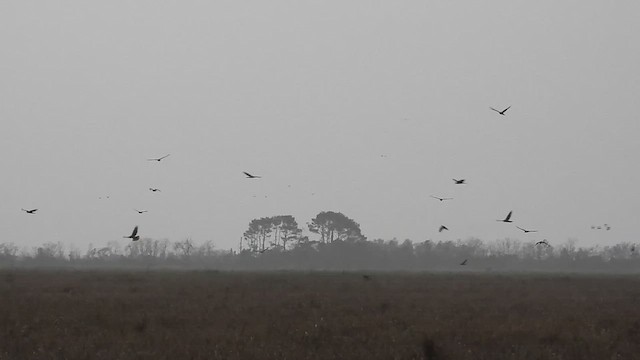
(277, 243)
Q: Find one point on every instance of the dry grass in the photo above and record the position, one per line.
(209, 315)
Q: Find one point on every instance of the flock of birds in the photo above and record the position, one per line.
(134, 234)
(507, 219)
(135, 237)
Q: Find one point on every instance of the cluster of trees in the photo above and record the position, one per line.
(282, 231)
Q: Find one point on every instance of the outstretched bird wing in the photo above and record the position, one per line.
(505, 110)
(496, 110)
(250, 176)
(508, 216)
(135, 231)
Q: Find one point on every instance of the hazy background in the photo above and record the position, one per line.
(310, 95)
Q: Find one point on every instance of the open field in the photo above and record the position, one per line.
(207, 315)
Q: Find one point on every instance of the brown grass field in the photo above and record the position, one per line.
(286, 315)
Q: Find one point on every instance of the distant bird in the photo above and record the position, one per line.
(32, 211)
(543, 242)
(134, 235)
(507, 219)
(464, 262)
(442, 228)
(525, 230)
(441, 199)
(599, 227)
(158, 159)
(593, 227)
(608, 228)
(154, 189)
(366, 277)
(141, 211)
(459, 182)
(501, 112)
(633, 248)
(249, 176)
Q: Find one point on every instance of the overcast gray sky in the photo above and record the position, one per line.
(311, 94)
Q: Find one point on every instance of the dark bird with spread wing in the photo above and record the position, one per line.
(501, 112)
(249, 176)
(159, 159)
(508, 218)
(134, 235)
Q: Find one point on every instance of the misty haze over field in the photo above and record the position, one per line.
(367, 109)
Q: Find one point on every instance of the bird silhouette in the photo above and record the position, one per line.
(141, 211)
(507, 219)
(158, 159)
(441, 199)
(442, 228)
(154, 189)
(525, 230)
(134, 235)
(501, 112)
(543, 242)
(249, 176)
(459, 182)
(366, 277)
(464, 262)
(32, 211)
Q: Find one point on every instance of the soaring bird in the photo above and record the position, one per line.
(442, 228)
(501, 112)
(441, 199)
(158, 159)
(464, 262)
(154, 189)
(459, 182)
(134, 235)
(32, 211)
(249, 176)
(507, 219)
(525, 230)
(141, 211)
(543, 242)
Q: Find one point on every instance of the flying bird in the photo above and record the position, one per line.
(366, 277)
(501, 112)
(249, 176)
(134, 235)
(442, 228)
(154, 189)
(141, 211)
(32, 211)
(543, 242)
(459, 182)
(158, 159)
(441, 199)
(464, 262)
(507, 219)
(525, 230)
